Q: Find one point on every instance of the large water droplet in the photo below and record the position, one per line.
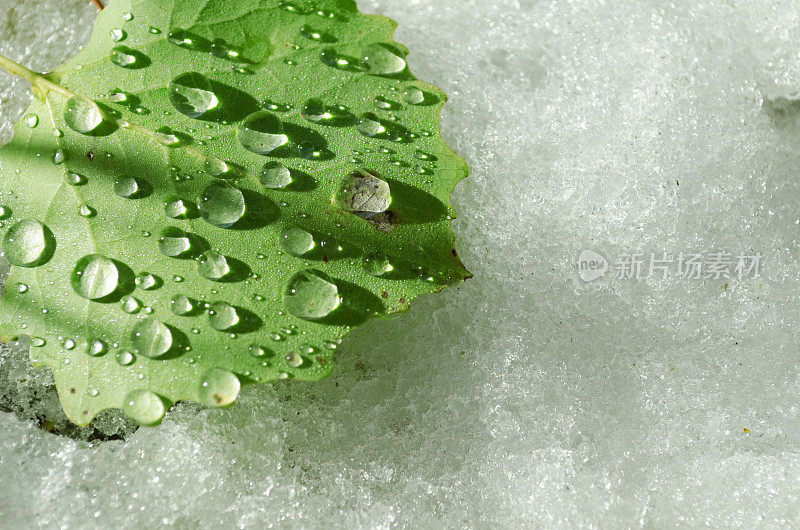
(127, 187)
(144, 407)
(28, 243)
(275, 175)
(222, 204)
(379, 60)
(212, 265)
(310, 295)
(377, 264)
(173, 242)
(222, 316)
(261, 132)
(219, 388)
(124, 57)
(192, 94)
(181, 305)
(297, 241)
(82, 115)
(95, 277)
(364, 194)
(151, 338)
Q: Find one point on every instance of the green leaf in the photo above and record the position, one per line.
(255, 179)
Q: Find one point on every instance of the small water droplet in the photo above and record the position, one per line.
(151, 338)
(130, 304)
(95, 277)
(222, 316)
(315, 111)
(275, 175)
(222, 204)
(310, 295)
(297, 241)
(219, 388)
(166, 138)
(95, 347)
(257, 351)
(308, 150)
(127, 17)
(294, 360)
(146, 281)
(82, 115)
(125, 358)
(144, 407)
(216, 167)
(58, 156)
(28, 243)
(75, 179)
(377, 264)
(38, 342)
(364, 193)
(181, 305)
(117, 35)
(31, 120)
(69, 344)
(127, 187)
(177, 208)
(173, 242)
(413, 96)
(212, 265)
(125, 57)
(192, 94)
(153, 30)
(86, 211)
(369, 126)
(261, 133)
(379, 60)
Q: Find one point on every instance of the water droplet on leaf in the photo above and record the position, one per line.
(297, 241)
(261, 133)
(192, 94)
(219, 388)
(28, 243)
(144, 407)
(173, 242)
(151, 338)
(95, 277)
(222, 316)
(275, 175)
(127, 187)
(181, 305)
(212, 265)
(222, 204)
(379, 60)
(82, 115)
(310, 295)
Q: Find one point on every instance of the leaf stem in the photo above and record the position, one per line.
(98, 4)
(40, 84)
